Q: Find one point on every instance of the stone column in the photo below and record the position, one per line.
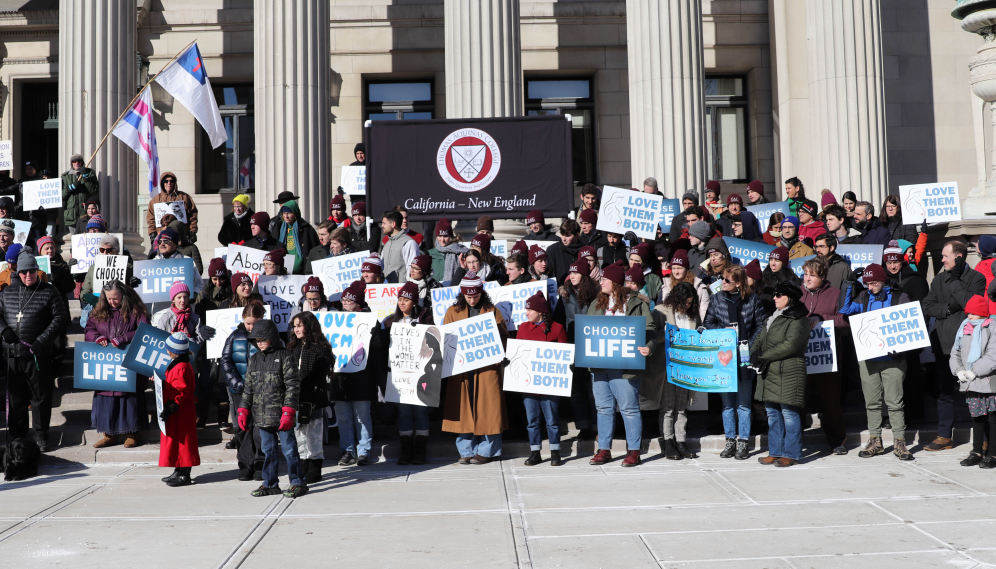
(982, 73)
(666, 100)
(847, 99)
(292, 107)
(483, 71)
(98, 69)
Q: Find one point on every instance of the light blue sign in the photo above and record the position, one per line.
(746, 251)
(860, 256)
(158, 275)
(763, 212)
(797, 264)
(147, 351)
(100, 368)
(669, 209)
(610, 342)
(704, 361)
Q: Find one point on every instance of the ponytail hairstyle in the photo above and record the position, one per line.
(797, 183)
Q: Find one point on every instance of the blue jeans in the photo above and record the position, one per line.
(351, 414)
(736, 406)
(611, 389)
(288, 444)
(469, 444)
(421, 419)
(784, 431)
(545, 406)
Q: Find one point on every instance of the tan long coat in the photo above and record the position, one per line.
(475, 402)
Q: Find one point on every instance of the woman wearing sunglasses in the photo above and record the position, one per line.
(737, 306)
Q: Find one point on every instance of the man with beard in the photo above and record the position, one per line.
(872, 230)
(838, 268)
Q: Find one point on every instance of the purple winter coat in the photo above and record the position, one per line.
(118, 332)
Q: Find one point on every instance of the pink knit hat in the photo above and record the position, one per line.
(176, 289)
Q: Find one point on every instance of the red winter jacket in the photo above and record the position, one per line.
(986, 268)
(534, 332)
(178, 445)
(812, 231)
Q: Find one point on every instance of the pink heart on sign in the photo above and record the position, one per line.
(725, 356)
(423, 386)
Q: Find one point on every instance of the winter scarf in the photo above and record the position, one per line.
(423, 290)
(182, 319)
(774, 316)
(788, 243)
(968, 326)
(298, 253)
(452, 252)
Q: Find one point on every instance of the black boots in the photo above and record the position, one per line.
(406, 450)
(742, 452)
(683, 450)
(534, 458)
(670, 449)
(555, 458)
(223, 416)
(182, 478)
(421, 442)
(312, 470)
(730, 449)
(172, 476)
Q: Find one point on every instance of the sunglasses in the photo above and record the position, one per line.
(165, 240)
(111, 250)
(778, 295)
(728, 281)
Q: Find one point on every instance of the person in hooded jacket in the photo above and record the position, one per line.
(973, 362)
(296, 234)
(235, 358)
(170, 192)
(737, 305)
(986, 248)
(881, 377)
(79, 184)
(699, 234)
(614, 249)
(560, 256)
(92, 208)
(178, 441)
(719, 260)
(235, 227)
(777, 271)
(689, 200)
(749, 227)
(312, 354)
(892, 220)
(577, 292)
(538, 228)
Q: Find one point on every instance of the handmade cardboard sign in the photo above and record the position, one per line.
(224, 322)
(242, 259)
(107, 268)
(84, 248)
(350, 334)
(383, 298)
(416, 359)
(282, 293)
(176, 209)
(337, 273)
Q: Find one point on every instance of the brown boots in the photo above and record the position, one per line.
(108, 440)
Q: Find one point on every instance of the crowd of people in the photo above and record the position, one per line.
(272, 389)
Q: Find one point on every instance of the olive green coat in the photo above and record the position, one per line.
(784, 345)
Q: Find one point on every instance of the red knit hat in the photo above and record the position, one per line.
(587, 252)
(734, 198)
(538, 303)
(977, 305)
(713, 186)
(409, 290)
(780, 253)
(680, 258)
(873, 272)
(753, 270)
(471, 284)
(588, 216)
(535, 216)
(536, 253)
(635, 275)
(314, 284)
(482, 240)
(217, 268)
(444, 228)
(615, 273)
(239, 278)
(827, 198)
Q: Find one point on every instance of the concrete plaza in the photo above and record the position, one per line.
(829, 511)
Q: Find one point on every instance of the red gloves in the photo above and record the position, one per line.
(243, 418)
(287, 419)
(116, 342)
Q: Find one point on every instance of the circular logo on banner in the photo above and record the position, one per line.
(468, 159)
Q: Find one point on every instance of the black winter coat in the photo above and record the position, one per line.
(43, 316)
(612, 254)
(362, 385)
(270, 245)
(235, 230)
(946, 302)
(912, 283)
(899, 231)
(595, 239)
(313, 366)
(545, 235)
(271, 380)
(752, 312)
(360, 241)
(559, 258)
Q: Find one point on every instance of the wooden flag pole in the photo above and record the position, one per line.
(128, 107)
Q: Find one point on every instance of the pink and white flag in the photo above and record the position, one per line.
(137, 129)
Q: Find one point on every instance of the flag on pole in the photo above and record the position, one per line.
(187, 80)
(137, 129)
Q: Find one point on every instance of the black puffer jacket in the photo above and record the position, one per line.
(313, 364)
(43, 316)
(271, 381)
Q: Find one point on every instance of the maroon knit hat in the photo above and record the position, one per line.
(827, 199)
(588, 216)
(444, 228)
(409, 290)
(587, 252)
(615, 273)
(753, 269)
(359, 208)
(314, 284)
(873, 272)
(338, 203)
(519, 247)
(635, 275)
(423, 262)
(756, 186)
(471, 284)
(713, 186)
(680, 258)
(262, 219)
(482, 240)
(576, 267)
(355, 292)
(643, 250)
(734, 198)
(535, 216)
(239, 278)
(538, 303)
(371, 267)
(217, 268)
(536, 253)
(277, 256)
(780, 253)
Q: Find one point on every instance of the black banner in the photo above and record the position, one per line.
(466, 168)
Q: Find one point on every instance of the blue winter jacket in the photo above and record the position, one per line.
(235, 358)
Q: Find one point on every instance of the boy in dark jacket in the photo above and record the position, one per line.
(234, 365)
(270, 396)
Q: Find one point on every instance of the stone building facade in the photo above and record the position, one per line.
(860, 95)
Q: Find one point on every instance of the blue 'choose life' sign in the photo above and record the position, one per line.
(610, 342)
(99, 368)
(147, 352)
(158, 275)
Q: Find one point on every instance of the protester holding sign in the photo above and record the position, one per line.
(881, 376)
(419, 273)
(680, 273)
(114, 321)
(577, 292)
(446, 254)
(259, 225)
(738, 306)
(79, 184)
(950, 292)
(540, 327)
(619, 387)
(169, 248)
(779, 351)
(32, 317)
(822, 305)
(475, 402)
(178, 442)
(679, 308)
(234, 363)
(313, 298)
(892, 220)
(312, 354)
(355, 392)
(170, 192)
(273, 263)
(900, 274)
